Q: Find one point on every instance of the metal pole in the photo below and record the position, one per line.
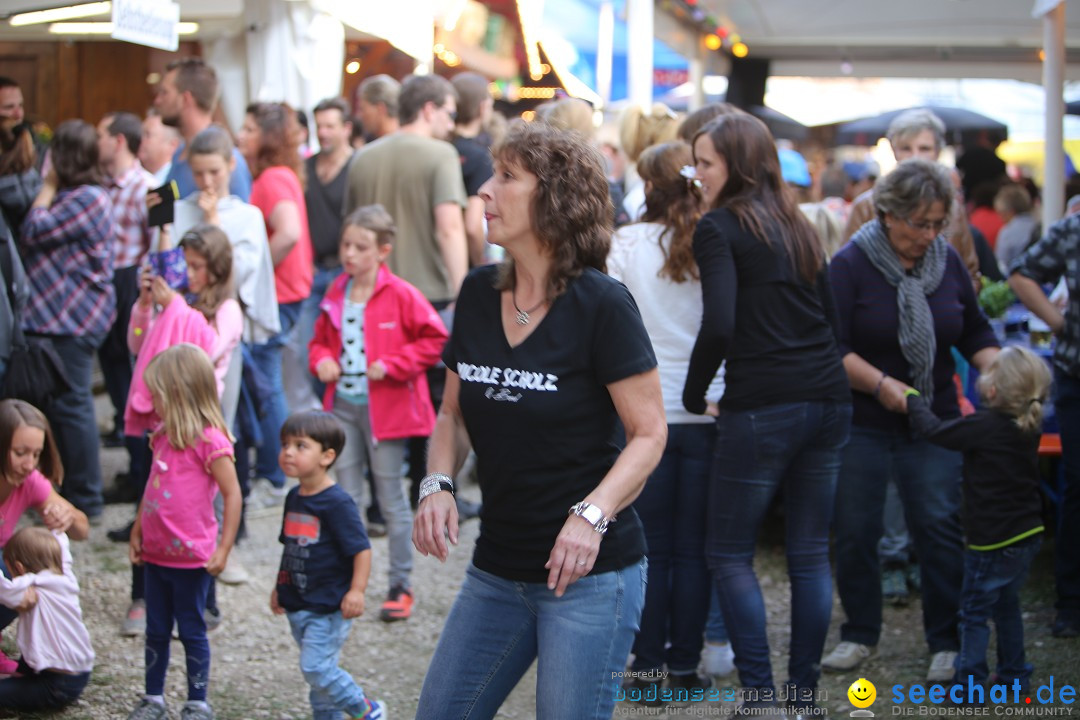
(639, 51)
(696, 77)
(1053, 200)
(605, 47)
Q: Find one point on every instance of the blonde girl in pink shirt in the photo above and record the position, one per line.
(175, 535)
(30, 472)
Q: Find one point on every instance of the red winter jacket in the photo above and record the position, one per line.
(402, 330)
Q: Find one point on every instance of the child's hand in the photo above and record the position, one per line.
(376, 370)
(29, 600)
(162, 293)
(135, 545)
(146, 278)
(208, 200)
(274, 607)
(352, 605)
(328, 371)
(217, 561)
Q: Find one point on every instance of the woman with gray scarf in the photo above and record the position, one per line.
(904, 300)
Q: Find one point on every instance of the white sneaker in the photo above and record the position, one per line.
(846, 656)
(942, 667)
(234, 573)
(134, 623)
(717, 659)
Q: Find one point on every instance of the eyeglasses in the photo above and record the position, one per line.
(922, 227)
(451, 113)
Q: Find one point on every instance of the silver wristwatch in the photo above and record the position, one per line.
(592, 515)
(435, 482)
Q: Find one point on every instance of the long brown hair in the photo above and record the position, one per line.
(213, 244)
(674, 201)
(279, 138)
(755, 191)
(570, 212)
(17, 151)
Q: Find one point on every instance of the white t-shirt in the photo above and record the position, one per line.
(671, 312)
(51, 634)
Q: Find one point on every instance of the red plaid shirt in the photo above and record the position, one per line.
(131, 239)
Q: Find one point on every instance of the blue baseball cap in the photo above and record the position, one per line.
(793, 167)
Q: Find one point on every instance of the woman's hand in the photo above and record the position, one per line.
(573, 555)
(146, 278)
(161, 292)
(328, 370)
(712, 409)
(891, 395)
(58, 516)
(436, 519)
(29, 600)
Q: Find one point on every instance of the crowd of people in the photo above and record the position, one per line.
(638, 346)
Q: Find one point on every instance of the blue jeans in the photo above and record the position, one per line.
(672, 511)
(320, 637)
(36, 691)
(267, 357)
(1067, 543)
(180, 595)
(497, 627)
(794, 447)
(7, 615)
(715, 629)
(992, 582)
(928, 478)
(74, 426)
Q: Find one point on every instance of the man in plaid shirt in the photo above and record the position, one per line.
(1057, 254)
(119, 136)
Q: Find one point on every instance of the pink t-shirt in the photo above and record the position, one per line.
(292, 276)
(33, 492)
(178, 525)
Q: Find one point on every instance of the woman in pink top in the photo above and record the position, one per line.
(269, 140)
(29, 469)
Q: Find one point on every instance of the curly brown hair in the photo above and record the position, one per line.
(674, 201)
(213, 244)
(571, 211)
(279, 138)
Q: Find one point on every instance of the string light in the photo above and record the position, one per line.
(713, 41)
(740, 50)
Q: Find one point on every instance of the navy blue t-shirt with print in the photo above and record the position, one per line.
(322, 533)
(541, 419)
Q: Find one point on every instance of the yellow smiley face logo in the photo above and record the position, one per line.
(862, 693)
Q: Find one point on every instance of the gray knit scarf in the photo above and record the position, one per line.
(918, 344)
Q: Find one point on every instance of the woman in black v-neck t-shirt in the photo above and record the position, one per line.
(547, 353)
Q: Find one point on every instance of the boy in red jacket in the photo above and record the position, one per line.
(374, 339)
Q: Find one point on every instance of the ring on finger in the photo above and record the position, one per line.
(581, 562)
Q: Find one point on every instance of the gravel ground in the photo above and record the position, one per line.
(255, 673)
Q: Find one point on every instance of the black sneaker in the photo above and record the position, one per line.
(121, 535)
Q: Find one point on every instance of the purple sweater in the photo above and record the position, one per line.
(869, 326)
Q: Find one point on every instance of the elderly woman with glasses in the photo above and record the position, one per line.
(904, 300)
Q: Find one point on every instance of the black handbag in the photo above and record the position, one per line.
(35, 372)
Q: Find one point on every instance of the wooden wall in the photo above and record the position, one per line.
(62, 80)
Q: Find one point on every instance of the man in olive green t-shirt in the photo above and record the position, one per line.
(416, 175)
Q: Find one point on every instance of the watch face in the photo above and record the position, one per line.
(592, 514)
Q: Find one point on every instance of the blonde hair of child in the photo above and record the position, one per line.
(641, 128)
(374, 218)
(1021, 382)
(36, 549)
(181, 380)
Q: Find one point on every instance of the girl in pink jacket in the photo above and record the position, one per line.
(374, 339)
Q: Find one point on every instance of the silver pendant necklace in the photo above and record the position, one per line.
(522, 317)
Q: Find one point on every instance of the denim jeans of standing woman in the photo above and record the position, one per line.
(793, 448)
(673, 513)
(928, 478)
